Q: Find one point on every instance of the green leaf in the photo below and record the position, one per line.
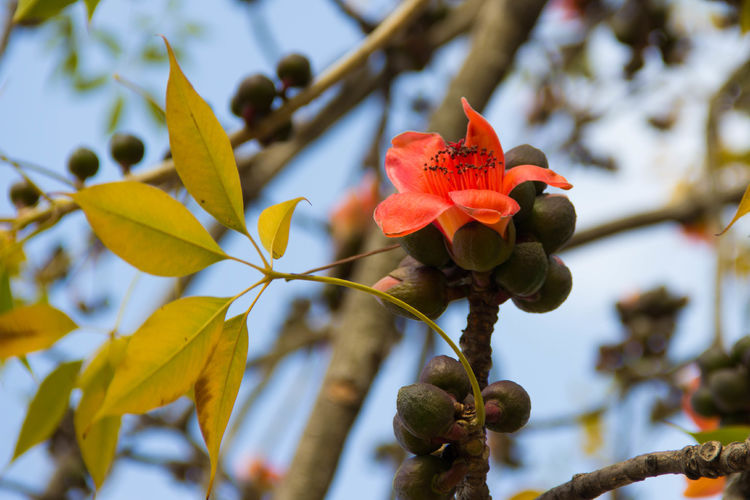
(98, 441)
(31, 328)
(39, 10)
(745, 16)
(165, 355)
(273, 226)
(48, 407)
(148, 228)
(742, 209)
(91, 7)
(724, 435)
(218, 384)
(202, 153)
(114, 115)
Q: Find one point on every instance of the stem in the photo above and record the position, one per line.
(480, 323)
(477, 392)
(352, 258)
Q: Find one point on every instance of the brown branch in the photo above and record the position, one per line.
(688, 210)
(709, 459)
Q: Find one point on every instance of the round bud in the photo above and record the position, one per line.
(527, 155)
(294, 71)
(477, 247)
(126, 149)
(553, 221)
(740, 349)
(523, 274)
(426, 410)
(507, 406)
(422, 287)
(448, 374)
(712, 359)
(731, 389)
(256, 92)
(702, 401)
(427, 246)
(410, 442)
(416, 479)
(23, 195)
(524, 194)
(554, 291)
(283, 133)
(83, 163)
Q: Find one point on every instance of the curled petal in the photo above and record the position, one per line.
(403, 213)
(481, 134)
(523, 173)
(485, 206)
(404, 162)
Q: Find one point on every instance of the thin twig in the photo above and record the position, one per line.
(352, 258)
(7, 26)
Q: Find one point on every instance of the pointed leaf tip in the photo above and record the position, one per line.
(742, 209)
(273, 226)
(201, 150)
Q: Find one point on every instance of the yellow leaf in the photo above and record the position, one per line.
(165, 355)
(273, 226)
(48, 407)
(745, 16)
(39, 10)
(217, 387)
(11, 253)
(98, 442)
(593, 432)
(526, 495)
(148, 228)
(202, 153)
(31, 328)
(742, 209)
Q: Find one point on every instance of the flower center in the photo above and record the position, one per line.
(459, 167)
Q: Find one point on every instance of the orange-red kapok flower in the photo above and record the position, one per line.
(453, 184)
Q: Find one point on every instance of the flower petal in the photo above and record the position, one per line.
(487, 207)
(704, 487)
(481, 134)
(522, 173)
(404, 162)
(403, 213)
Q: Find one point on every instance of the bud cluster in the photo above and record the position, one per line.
(724, 389)
(256, 94)
(521, 262)
(434, 422)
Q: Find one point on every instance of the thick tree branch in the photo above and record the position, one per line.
(709, 459)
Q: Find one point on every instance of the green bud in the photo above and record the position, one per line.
(23, 195)
(410, 442)
(448, 374)
(553, 221)
(417, 478)
(427, 246)
(527, 155)
(731, 389)
(712, 359)
(523, 274)
(426, 410)
(702, 401)
(554, 291)
(256, 92)
(294, 71)
(740, 349)
(83, 163)
(507, 406)
(477, 247)
(422, 287)
(127, 150)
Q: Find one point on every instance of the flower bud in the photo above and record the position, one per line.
(448, 374)
(253, 97)
(127, 150)
(507, 406)
(425, 410)
(477, 247)
(427, 246)
(553, 221)
(523, 274)
(554, 291)
(294, 71)
(422, 287)
(712, 359)
(416, 479)
(702, 401)
(23, 195)
(731, 389)
(410, 442)
(83, 163)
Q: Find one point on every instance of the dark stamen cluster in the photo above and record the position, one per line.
(482, 160)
